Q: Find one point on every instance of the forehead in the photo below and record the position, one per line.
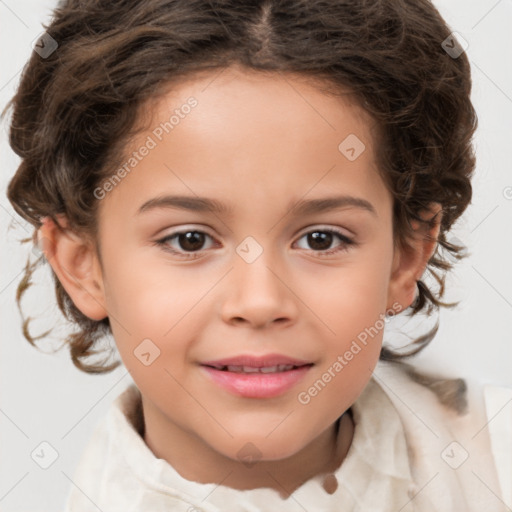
(257, 96)
(279, 133)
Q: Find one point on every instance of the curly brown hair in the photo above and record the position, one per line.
(75, 109)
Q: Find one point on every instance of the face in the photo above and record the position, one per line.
(255, 324)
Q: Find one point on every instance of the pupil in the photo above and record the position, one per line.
(191, 240)
(319, 237)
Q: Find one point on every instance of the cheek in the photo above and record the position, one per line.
(155, 310)
(146, 295)
(353, 304)
(351, 297)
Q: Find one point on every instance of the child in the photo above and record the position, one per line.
(258, 131)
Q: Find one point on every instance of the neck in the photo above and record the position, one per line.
(320, 457)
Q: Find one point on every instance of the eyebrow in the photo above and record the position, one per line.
(301, 208)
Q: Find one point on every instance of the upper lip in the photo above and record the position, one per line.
(261, 361)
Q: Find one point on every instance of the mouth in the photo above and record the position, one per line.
(256, 369)
(257, 377)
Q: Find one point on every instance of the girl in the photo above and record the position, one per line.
(243, 194)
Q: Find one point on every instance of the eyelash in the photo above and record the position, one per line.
(347, 242)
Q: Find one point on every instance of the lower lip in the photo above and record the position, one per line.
(257, 385)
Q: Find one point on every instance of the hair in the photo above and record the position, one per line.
(75, 110)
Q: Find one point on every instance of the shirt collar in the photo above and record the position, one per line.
(376, 464)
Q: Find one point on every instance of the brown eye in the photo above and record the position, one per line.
(320, 241)
(191, 240)
(185, 243)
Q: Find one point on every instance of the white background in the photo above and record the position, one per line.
(45, 398)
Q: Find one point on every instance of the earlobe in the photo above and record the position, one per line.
(410, 262)
(76, 265)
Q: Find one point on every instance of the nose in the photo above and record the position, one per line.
(259, 295)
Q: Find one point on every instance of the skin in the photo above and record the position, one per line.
(258, 143)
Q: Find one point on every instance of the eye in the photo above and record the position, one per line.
(321, 239)
(188, 241)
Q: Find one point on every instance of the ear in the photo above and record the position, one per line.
(410, 263)
(75, 262)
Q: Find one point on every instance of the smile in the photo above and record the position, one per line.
(252, 369)
(256, 377)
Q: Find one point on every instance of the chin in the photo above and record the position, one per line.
(249, 450)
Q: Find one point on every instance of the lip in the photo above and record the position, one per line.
(256, 361)
(256, 385)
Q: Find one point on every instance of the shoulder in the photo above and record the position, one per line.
(433, 407)
(102, 457)
(450, 396)
(446, 431)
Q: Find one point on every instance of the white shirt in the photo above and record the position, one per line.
(409, 453)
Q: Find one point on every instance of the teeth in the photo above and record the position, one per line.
(252, 369)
